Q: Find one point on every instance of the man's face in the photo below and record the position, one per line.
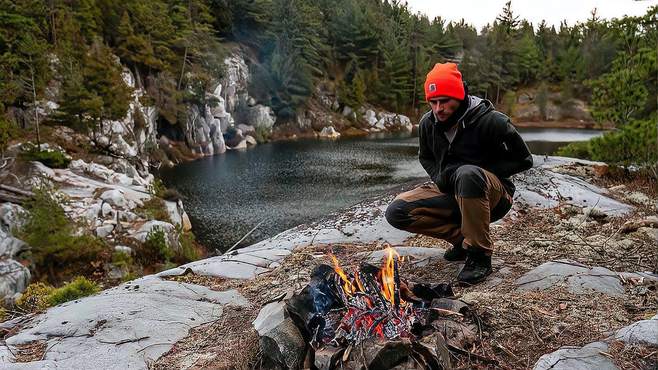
(443, 107)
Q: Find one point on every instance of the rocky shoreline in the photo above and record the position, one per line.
(563, 249)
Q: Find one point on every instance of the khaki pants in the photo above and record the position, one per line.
(480, 198)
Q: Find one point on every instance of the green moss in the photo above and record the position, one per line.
(35, 298)
(78, 288)
(39, 296)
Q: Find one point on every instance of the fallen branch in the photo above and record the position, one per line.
(12, 189)
(12, 198)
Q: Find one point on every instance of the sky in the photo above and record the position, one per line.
(481, 12)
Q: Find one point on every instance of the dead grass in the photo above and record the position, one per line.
(33, 351)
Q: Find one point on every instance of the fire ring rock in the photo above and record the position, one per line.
(284, 344)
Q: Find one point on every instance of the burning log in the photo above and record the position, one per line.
(371, 317)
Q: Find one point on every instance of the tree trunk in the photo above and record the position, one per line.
(182, 69)
(36, 110)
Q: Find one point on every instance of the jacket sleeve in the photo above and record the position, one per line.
(425, 155)
(511, 152)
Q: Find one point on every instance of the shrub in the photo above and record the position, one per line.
(262, 134)
(155, 248)
(154, 209)
(50, 158)
(7, 132)
(579, 149)
(56, 249)
(509, 101)
(78, 288)
(36, 297)
(542, 101)
(634, 143)
(171, 195)
(157, 187)
(189, 250)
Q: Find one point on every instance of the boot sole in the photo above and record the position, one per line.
(473, 282)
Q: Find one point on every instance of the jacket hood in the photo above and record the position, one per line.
(477, 107)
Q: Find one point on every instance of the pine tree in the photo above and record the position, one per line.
(93, 91)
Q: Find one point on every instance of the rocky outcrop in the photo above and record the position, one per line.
(556, 107)
(103, 201)
(329, 132)
(385, 121)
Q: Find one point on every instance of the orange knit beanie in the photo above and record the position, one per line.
(444, 80)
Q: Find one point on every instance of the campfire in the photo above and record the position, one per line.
(371, 317)
(372, 305)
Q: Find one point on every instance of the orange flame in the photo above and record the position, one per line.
(348, 286)
(387, 275)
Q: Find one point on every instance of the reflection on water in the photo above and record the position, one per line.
(288, 183)
(293, 182)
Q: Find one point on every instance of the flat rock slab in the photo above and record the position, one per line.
(121, 328)
(577, 277)
(641, 332)
(543, 187)
(588, 357)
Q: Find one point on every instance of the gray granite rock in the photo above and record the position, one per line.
(125, 327)
(170, 230)
(104, 230)
(10, 246)
(577, 358)
(11, 216)
(284, 345)
(14, 278)
(577, 277)
(114, 197)
(544, 187)
(641, 332)
(270, 316)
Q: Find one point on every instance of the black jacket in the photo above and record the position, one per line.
(485, 138)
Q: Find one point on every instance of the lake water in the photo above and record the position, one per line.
(284, 184)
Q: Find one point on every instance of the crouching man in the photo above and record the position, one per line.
(469, 151)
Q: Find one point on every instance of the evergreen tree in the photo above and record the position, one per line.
(93, 91)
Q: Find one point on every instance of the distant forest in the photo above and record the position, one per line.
(374, 51)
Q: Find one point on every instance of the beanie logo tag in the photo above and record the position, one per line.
(432, 87)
